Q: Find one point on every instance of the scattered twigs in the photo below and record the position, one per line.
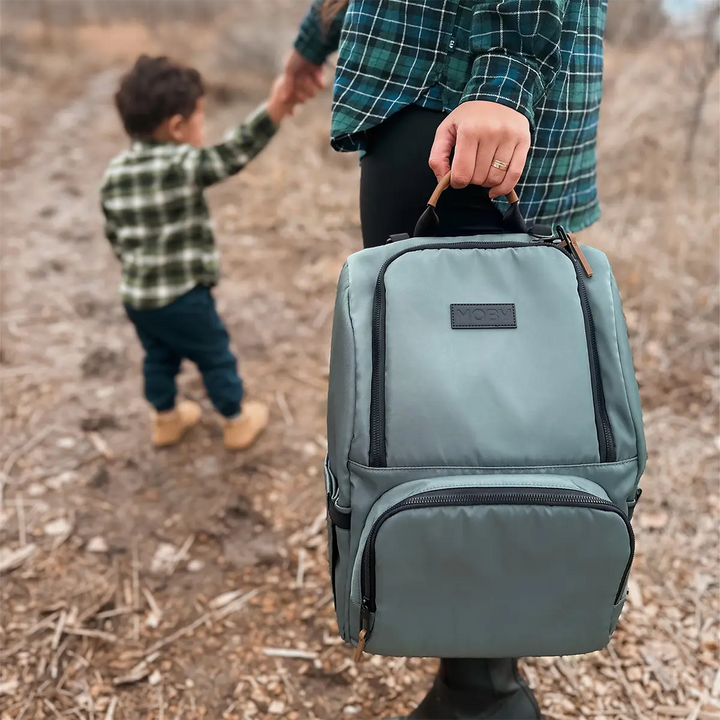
(222, 612)
(657, 670)
(27, 704)
(224, 599)
(101, 445)
(47, 622)
(569, 672)
(72, 467)
(182, 553)
(311, 381)
(116, 612)
(55, 662)
(230, 708)
(136, 591)
(59, 630)
(12, 559)
(715, 691)
(325, 311)
(624, 682)
(290, 653)
(88, 632)
(695, 713)
(318, 524)
(223, 609)
(284, 408)
(285, 677)
(22, 528)
(110, 714)
(61, 539)
(105, 598)
(300, 576)
(10, 372)
(138, 672)
(17, 454)
(8, 687)
(323, 601)
(55, 711)
(155, 611)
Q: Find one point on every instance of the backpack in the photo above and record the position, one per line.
(485, 444)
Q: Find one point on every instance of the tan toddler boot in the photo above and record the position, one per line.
(241, 432)
(169, 427)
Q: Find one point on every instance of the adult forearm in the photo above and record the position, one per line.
(517, 52)
(319, 33)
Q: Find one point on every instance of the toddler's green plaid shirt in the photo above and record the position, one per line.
(156, 217)
(541, 57)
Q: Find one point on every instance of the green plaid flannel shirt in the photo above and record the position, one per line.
(543, 58)
(156, 216)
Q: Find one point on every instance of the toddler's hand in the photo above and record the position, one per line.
(282, 99)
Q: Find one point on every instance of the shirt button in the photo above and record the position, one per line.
(451, 44)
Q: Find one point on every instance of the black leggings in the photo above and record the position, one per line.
(396, 183)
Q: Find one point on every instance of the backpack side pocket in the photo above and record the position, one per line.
(338, 527)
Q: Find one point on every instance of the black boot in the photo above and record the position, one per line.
(478, 689)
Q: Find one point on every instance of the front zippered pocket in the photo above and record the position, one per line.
(481, 496)
(378, 449)
(552, 553)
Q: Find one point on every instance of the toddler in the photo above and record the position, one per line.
(158, 223)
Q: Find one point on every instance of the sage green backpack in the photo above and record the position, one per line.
(485, 444)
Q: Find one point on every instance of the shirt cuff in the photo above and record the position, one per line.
(259, 124)
(310, 41)
(507, 81)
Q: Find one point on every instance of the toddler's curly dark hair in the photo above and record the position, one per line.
(154, 90)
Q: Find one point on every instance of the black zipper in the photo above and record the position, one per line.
(377, 454)
(479, 496)
(606, 441)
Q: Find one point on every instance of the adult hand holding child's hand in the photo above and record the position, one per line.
(282, 100)
(305, 78)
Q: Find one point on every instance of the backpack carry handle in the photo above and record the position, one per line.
(444, 184)
(429, 221)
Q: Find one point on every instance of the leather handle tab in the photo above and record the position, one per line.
(444, 184)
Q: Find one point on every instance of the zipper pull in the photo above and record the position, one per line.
(572, 246)
(360, 646)
(365, 629)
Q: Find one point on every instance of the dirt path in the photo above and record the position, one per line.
(135, 550)
(72, 388)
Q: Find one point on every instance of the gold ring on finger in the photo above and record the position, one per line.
(500, 165)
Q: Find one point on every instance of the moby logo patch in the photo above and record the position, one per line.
(485, 316)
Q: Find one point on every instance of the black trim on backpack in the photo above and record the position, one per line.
(339, 519)
(632, 504)
(396, 238)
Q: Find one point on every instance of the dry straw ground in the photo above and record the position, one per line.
(192, 583)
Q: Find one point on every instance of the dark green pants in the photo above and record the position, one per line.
(188, 328)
